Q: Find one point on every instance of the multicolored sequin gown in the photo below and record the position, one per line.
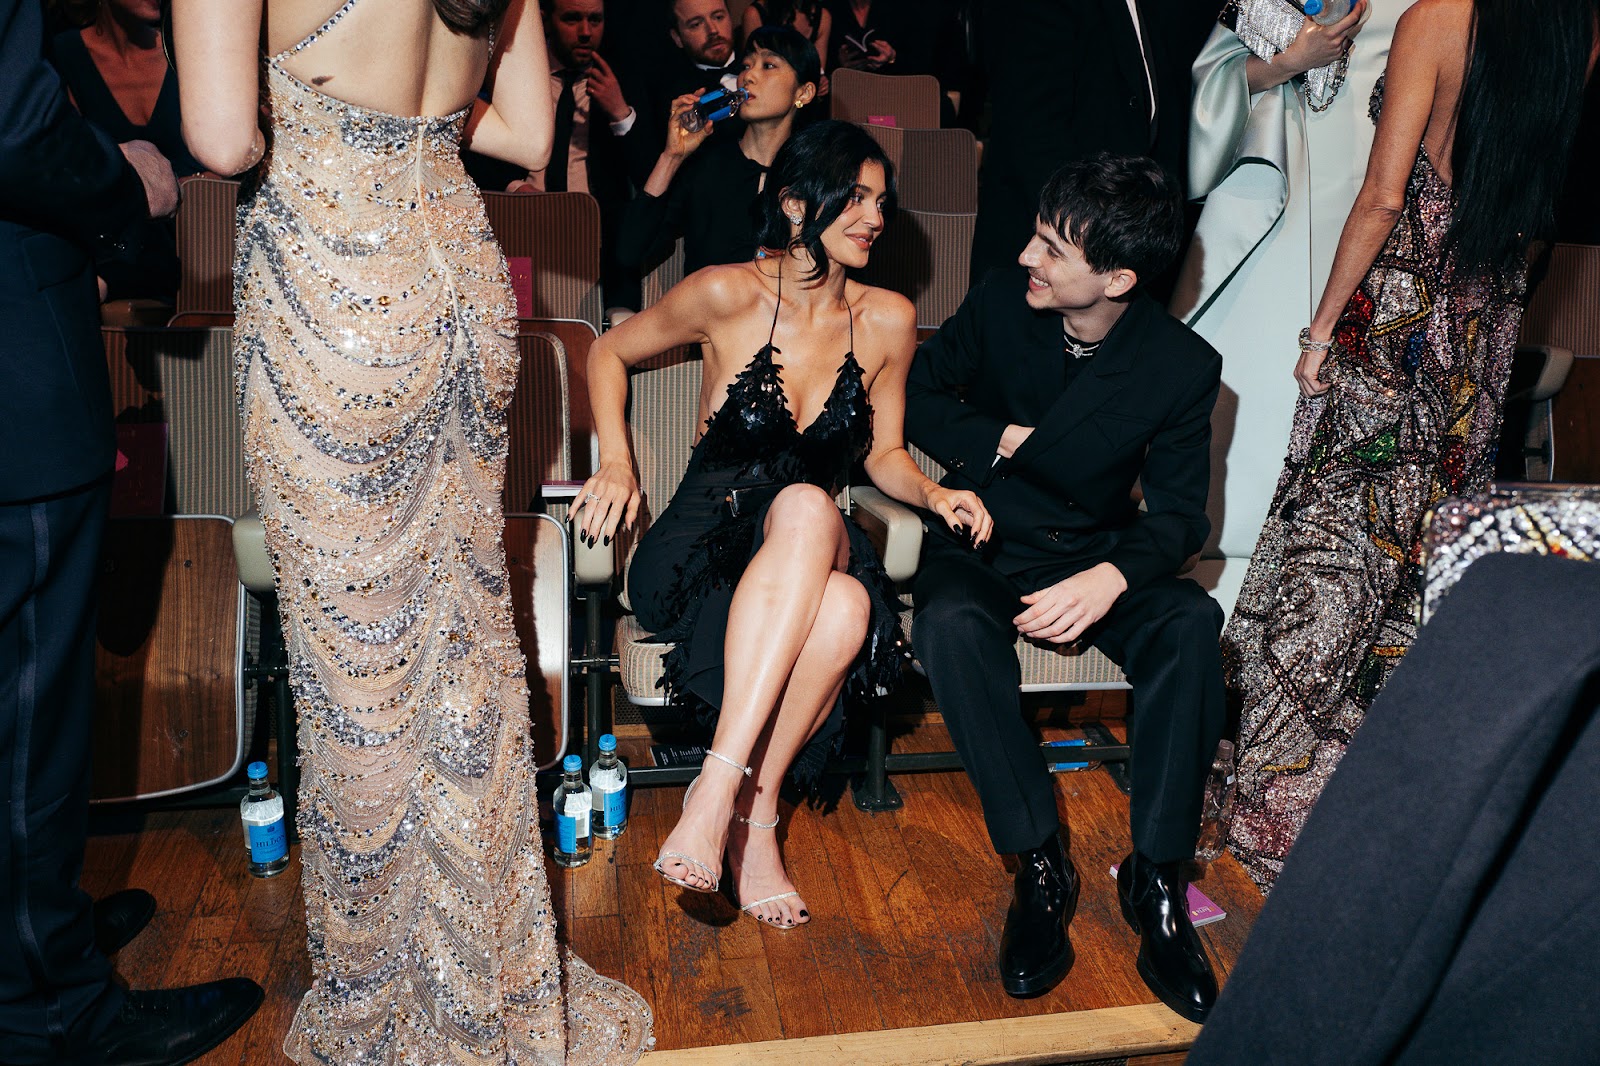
(376, 358)
(1419, 367)
(683, 575)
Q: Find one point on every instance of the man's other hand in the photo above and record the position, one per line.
(1061, 612)
(160, 186)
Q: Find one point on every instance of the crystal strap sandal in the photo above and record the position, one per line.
(747, 907)
(685, 860)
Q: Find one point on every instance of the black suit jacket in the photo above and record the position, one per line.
(658, 83)
(66, 194)
(1138, 412)
(1439, 905)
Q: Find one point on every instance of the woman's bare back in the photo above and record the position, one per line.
(394, 56)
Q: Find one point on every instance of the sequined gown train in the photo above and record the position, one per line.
(376, 357)
(1419, 367)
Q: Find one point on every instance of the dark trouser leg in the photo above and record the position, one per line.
(1164, 636)
(55, 988)
(964, 639)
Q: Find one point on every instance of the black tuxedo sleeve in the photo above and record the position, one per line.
(1176, 478)
(57, 172)
(962, 438)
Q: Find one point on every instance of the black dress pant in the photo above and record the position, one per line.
(1163, 635)
(55, 987)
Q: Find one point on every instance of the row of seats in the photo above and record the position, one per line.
(552, 240)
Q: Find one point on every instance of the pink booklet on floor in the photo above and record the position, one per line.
(1202, 911)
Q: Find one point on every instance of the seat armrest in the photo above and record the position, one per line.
(894, 529)
(592, 564)
(616, 316)
(1553, 375)
(250, 551)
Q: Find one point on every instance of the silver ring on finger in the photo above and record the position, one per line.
(592, 496)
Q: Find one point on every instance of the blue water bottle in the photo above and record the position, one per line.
(608, 780)
(574, 833)
(262, 813)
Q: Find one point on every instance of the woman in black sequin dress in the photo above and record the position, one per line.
(781, 609)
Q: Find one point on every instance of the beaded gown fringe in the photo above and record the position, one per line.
(376, 358)
(1418, 371)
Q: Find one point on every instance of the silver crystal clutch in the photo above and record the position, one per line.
(1267, 27)
(1561, 520)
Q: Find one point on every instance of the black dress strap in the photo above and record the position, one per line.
(773, 332)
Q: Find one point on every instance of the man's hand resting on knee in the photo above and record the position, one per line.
(1061, 612)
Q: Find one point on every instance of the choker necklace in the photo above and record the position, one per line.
(1081, 349)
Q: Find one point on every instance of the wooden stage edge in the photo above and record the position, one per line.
(1079, 1036)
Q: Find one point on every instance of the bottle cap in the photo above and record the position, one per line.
(608, 742)
(1313, 7)
(257, 771)
(572, 764)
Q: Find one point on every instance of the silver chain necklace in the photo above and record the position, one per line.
(1081, 349)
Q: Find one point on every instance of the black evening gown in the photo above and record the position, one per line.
(682, 578)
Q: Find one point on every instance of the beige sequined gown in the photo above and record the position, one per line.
(376, 357)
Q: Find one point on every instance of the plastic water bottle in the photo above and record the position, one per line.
(608, 780)
(1327, 12)
(262, 814)
(715, 105)
(1216, 810)
(574, 837)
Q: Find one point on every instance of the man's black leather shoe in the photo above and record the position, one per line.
(1035, 948)
(119, 918)
(1171, 959)
(169, 1027)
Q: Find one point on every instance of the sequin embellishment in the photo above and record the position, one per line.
(1419, 369)
(376, 357)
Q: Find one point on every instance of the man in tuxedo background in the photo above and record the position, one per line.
(702, 57)
(66, 193)
(1056, 388)
(599, 144)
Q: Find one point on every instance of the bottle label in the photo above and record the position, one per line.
(572, 823)
(616, 811)
(268, 843)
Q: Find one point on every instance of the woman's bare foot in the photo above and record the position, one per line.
(702, 831)
(759, 874)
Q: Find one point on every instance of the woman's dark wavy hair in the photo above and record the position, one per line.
(1123, 212)
(1515, 124)
(820, 165)
(789, 45)
(471, 17)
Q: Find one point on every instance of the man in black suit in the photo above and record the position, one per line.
(1056, 388)
(702, 57)
(1124, 89)
(66, 193)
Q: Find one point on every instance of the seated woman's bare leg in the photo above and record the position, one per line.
(818, 676)
(773, 609)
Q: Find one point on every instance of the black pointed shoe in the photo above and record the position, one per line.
(1035, 948)
(172, 1026)
(1171, 959)
(120, 917)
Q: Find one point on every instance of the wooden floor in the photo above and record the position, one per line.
(906, 912)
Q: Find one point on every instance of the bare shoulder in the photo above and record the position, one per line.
(881, 309)
(724, 289)
(1436, 24)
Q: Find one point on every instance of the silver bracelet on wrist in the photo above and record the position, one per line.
(1309, 345)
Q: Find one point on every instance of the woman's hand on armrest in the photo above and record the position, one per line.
(962, 510)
